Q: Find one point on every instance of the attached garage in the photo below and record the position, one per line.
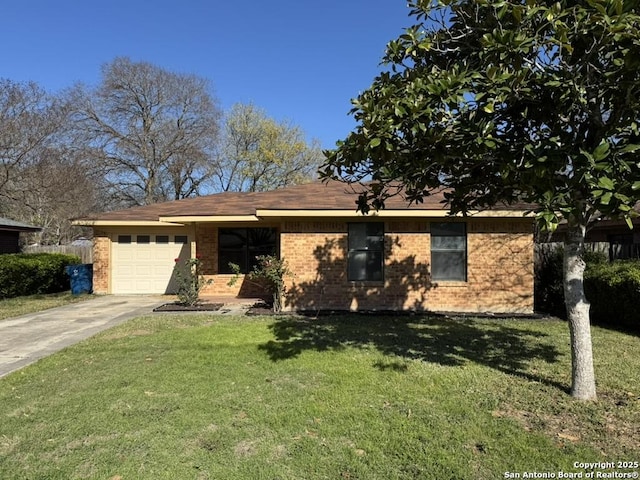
(143, 261)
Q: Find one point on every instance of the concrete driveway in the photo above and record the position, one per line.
(27, 338)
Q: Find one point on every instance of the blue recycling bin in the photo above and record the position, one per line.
(81, 278)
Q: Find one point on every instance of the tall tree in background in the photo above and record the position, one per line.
(29, 121)
(506, 101)
(152, 131)
(55, 190)
(259, 153)
(43, 180)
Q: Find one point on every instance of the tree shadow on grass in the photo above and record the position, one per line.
(441, 340)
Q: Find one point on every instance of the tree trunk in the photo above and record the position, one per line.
(583, 384)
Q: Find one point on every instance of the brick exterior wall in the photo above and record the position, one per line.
(499, 272)
(499, 267)
(499, 275)
(101, 261)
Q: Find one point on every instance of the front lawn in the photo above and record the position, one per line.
(14, 307)
(353, 397)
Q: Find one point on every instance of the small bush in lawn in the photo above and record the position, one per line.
(190, 281)
(30, 274)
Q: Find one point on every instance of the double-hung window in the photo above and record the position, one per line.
(449, 251)
(366, 251)
(241, 246)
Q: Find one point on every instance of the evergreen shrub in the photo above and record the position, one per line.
(613, 289)
(34, 273)
(548, 286)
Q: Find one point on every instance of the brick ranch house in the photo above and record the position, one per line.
(403, 257)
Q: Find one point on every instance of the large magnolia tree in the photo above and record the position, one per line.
(506, 101)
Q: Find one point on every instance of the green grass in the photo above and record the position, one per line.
(353, 397)
(13, 307)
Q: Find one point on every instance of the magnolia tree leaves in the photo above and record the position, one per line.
(506, 101)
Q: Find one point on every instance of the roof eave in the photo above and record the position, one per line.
(124, 223)
(181, 220)
(11, 228)
(210, 218)
(388, 213)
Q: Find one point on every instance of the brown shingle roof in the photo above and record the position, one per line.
(332, 195)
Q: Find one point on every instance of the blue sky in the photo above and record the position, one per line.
(301, 61)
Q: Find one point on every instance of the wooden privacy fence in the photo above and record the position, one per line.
(611, 250)
(84, 252)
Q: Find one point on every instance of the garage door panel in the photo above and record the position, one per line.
(125, 270)
(146, 267)
(145, 254)
(125, 252)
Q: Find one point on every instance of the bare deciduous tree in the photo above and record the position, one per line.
(29, 121)
(153, 131)
(55, 190)
(43, 178)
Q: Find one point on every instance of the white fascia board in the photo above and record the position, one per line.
(124, 223)
(388, 213)
(211, 218)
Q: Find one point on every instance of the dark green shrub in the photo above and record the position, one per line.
(29, 274)
(613, 289)
(548, 288)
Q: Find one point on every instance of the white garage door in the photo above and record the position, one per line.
(143, 262)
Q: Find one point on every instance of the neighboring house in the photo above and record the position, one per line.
(611, 236)
(10, 234)
(623, 242)
(403, 257)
